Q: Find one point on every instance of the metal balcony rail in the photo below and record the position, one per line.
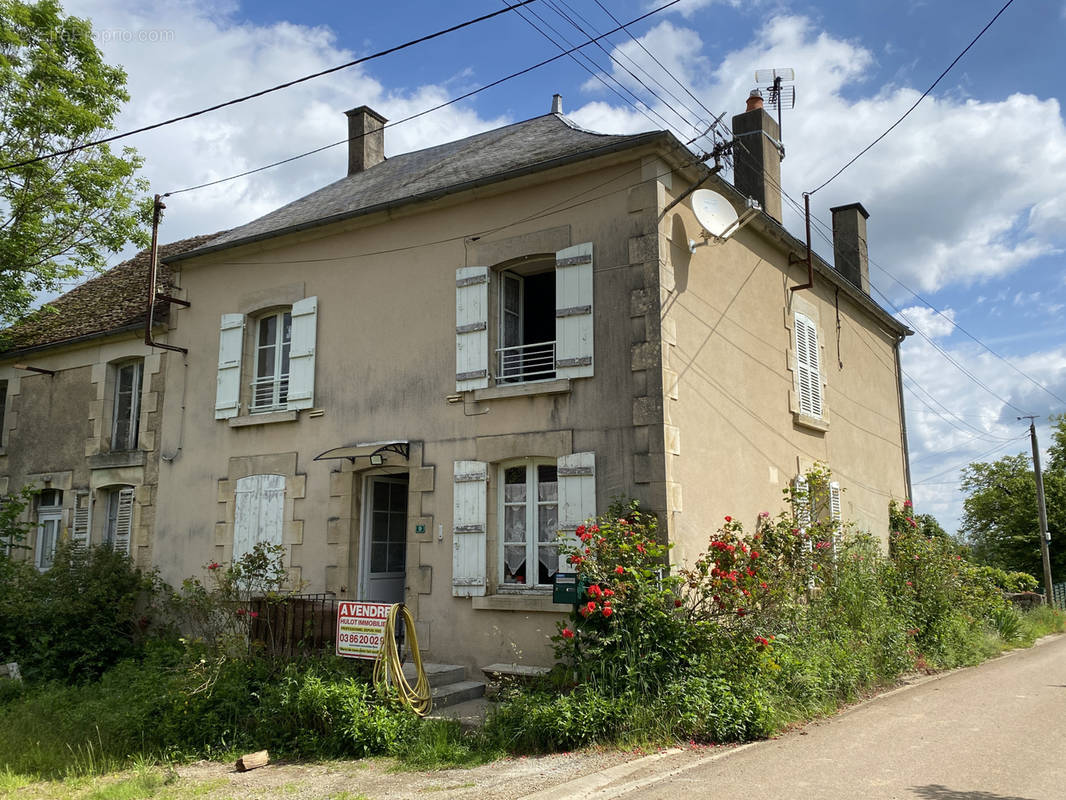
(526, 362)
(270, 393)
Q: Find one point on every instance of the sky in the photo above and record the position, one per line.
(967, 197)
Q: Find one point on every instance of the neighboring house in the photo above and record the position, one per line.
(413, 377)
(80, 403)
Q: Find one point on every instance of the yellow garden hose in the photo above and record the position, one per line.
(389, 668)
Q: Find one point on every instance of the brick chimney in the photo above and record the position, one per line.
(756, 158)
(366, 139)
(850, 255)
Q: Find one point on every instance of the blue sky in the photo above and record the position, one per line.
(967, 199)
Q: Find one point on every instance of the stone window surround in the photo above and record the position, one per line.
(803, 306)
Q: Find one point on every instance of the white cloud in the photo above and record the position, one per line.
(928, 321)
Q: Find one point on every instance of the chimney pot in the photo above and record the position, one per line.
(850, 253)
(366, 139)
(754, 100)
(557, 104)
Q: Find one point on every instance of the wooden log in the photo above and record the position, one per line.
(253, 760)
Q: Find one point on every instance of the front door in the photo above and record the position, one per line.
(384, 550)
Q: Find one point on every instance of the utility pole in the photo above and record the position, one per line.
(1045, 537)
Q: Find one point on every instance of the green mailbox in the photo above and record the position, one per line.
(566, 588)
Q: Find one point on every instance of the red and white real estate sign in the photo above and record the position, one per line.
(360, 628)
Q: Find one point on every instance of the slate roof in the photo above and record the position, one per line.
(536, 144)
(112, 301)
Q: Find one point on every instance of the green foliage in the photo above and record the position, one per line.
(82, 616)
(61, 216)
(1000, 518)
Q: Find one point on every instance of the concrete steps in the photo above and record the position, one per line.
(448, 682)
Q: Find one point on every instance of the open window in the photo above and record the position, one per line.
(273, 345)
(49, 523)
(126, 405)
(526, 350)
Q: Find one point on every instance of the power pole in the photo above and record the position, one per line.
(1045, 537)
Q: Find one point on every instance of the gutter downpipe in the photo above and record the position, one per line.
(810, 262)
(153, 269)
(903, 420)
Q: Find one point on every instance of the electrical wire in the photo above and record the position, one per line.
(916, 102)
(966, 463)
(262, 92)
(419, 113)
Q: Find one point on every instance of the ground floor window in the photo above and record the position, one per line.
(118, 524)
(529, 522)
(259, 511)
(49, 522)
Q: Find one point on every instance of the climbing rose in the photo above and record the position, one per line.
(591, 606)
(254, 614)
(214, 565)
(567, 633)
(580, 530)
(677, 602)
(607, 610)
(619, 569)
(728, 519)
(240, 612)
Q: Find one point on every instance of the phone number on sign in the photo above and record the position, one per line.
(361, 638)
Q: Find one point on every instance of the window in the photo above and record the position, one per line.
(49, 520)
(118, 525)
(3, 413)
(808, 367)
(281, 376)
(259, 512)
(545, 328)
(273, 341)
(126, 408)
(529, 523)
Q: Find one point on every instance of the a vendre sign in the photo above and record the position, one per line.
(360, 628)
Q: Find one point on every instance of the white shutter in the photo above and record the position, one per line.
(230, 346)
(124, 521)
(577, 494)
(834, 502)
(468, 519)
(302, 354)
(258, 512)
(471, 328)
(808, 367)
(573, 311)
(801, 501)
(79, 532)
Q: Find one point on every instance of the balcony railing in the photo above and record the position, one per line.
(270, 393)
(525, 362)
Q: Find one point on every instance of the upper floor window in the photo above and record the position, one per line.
(126, 406)
(49, 522)
(281, 349)
(544, 324)
(808, 367)
(273, 343)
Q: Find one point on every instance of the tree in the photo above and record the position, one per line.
(59, 217)
(1000, 517)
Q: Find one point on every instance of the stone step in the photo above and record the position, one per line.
(437, 674)
(459, 692)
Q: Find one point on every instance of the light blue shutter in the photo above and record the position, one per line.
(124, 521)
(230, 346)
(258, 513)
(834, 502)
(573, 311)
(469, 486)
(801, 503)
(577, 494)
(79, 531)
(302, 353)
(471, 328)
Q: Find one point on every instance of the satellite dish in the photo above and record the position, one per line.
(713, 212)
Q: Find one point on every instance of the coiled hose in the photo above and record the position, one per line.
(388, 667)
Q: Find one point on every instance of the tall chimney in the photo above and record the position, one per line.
(557, 104)
(756, 158)
(366, 139)
(850, 254)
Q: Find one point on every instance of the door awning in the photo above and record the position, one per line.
(370, 450)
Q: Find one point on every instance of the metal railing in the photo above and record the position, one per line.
(1058, 595)
(270, 393)
(525, 362)
(287, 627)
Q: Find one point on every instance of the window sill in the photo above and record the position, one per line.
(812, 423)
(526, 601)
(529, 389)
(118, 458)
(245, 421)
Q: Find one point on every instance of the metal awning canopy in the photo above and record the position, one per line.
(366, 450)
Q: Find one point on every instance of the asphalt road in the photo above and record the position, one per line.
(994, 732)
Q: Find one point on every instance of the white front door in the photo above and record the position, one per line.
(384, 539)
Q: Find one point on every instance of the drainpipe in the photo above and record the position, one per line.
(792, 259)
(153, 269)
(903, 421)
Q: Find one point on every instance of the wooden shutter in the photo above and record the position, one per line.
(834, 502)
(801, 502)
(469, 486)
(808, 367)
(79, 531)
(230, 346)
(124, 521)
(573, 312)
(258, 512)
(302, 354)
(577, 493)
(471, 328)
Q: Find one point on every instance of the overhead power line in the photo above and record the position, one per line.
(919, 100)
(276, 88)
(422, 113)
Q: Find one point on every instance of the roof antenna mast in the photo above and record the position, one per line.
(779, 95)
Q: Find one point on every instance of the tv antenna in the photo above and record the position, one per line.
(779, 95)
